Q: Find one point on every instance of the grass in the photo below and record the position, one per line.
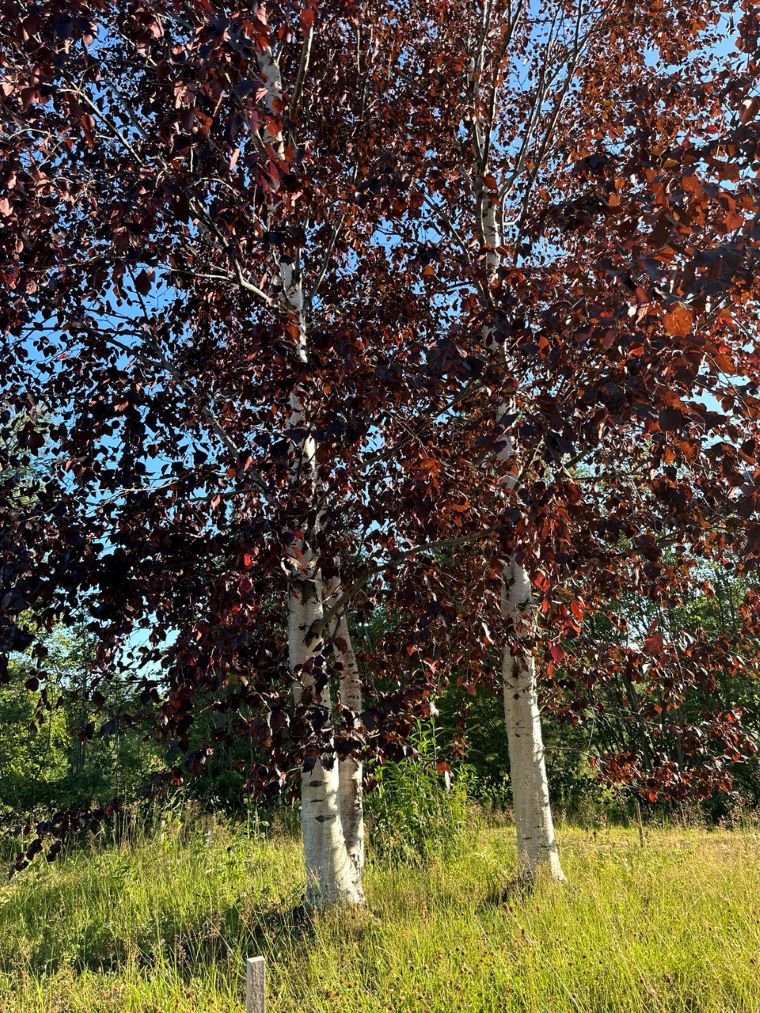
(163, 926)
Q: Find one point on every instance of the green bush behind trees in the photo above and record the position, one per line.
(53, 756)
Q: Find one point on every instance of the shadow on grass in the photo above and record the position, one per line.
(224, 937)
(516, 889)
(213, 936)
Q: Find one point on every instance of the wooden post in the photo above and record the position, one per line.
(254, 985)
(639, 821)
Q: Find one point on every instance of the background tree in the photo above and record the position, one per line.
(585, 200)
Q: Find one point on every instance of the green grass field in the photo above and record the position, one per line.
(165, 927)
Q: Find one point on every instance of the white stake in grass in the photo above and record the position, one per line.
(254, 985)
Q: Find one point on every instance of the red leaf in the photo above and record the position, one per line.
(654, 643)
(143, 281)
(678, 321)
(557, 653)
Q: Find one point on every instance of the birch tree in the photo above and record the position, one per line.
(332, 875)
(198, 298)
(588, 215)
(447, 310)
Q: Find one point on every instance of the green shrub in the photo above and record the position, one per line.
(417, 810)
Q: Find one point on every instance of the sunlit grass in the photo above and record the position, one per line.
(166, 926)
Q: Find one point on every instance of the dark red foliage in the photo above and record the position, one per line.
(149, 366)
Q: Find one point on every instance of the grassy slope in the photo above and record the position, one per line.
(165, 927)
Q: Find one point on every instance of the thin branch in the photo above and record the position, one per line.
(302, 69)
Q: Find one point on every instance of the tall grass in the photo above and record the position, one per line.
(163, 925)
(412, 815)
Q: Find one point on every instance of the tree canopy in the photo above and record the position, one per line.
(384, 293)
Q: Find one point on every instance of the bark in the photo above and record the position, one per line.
(351, 801)
(351, 772)
(331, 875)
(536, 843)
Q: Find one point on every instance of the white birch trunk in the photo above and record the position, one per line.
(536, 843)
(351, 769)
(331, 876)
(351, 802)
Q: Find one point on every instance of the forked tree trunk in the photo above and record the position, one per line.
(331, 875)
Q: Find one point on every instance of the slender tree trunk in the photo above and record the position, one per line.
(536, 844)
(350, 770)
(331, 875)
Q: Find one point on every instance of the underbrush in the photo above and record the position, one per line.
(418, 810)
